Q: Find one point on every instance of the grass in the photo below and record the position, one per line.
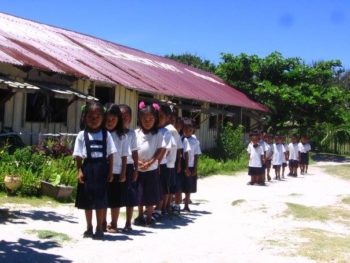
(346, 200)
(32, 201)
(52, 235)
(295, 194)
(323, 246)
(238, 202)
(342, 171)
(325, 213)
(211, 166)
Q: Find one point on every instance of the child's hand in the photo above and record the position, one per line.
(80, 177)
(110, 178)
(122, 178)
(135, 176)
(194, 173)
(187, 172)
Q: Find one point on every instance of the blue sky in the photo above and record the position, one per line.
(310, 29)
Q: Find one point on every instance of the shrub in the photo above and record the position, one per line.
(231, 141)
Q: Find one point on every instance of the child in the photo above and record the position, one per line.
(256, 158)
(285, 156)
(151, 148)
(304, 148)
(116, 188)
(93, 151)
(293, 156)
(131, 168)
(167, 163)
(190, 176)
(277, 158)
(268, 154)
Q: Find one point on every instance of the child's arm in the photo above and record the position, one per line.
(194, 173)
(178, 157)
(80, 172)
(110, 168)
(135, 157)
(122, 178)
(187, 160)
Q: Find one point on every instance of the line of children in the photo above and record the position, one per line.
(118, 167)
(262, 153)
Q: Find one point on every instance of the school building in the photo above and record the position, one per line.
(47, 73)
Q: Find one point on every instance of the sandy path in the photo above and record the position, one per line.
(215, 231)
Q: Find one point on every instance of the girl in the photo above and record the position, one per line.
(285, 156)
(151, 148)
(167, 164)
(278, 156)
(93, 151)
(131, 168)
(116, 188)
(256, 158)
(190, 178)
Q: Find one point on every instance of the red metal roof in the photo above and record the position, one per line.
(28, 43)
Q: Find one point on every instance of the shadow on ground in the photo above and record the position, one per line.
(18, 217)
(324, 157)
(25, 250)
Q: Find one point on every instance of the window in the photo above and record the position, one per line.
(105, 94)
(41, 107)
(4, 96)
(213, 121)
(195, 116)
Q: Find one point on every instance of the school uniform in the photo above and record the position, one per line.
(266, 148)
(148, 182)
(293, 150)
(284, 162)
(116, 189)
(166, 174)
(278, 155)
(304, 152)
(190, 182)
(131, 187)
(255, 165)
(94, 148)
(268, 153)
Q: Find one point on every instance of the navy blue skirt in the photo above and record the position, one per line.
(304, 158)
(131, 195)
(167, 176)
(148, 188)
(189, 183)
(92, 194)
(116, 192)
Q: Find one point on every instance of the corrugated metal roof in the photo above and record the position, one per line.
(28, 43)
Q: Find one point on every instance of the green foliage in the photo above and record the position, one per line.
(231, 141)
(194, 61)
(60, 171)
(210, 166)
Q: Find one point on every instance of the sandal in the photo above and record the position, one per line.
(139, 221)
(127, 229)
(88, 233)
(98, 235)
(112, 229)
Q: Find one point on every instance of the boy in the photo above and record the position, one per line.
(304, 148)
(256, 156)
(293, 150)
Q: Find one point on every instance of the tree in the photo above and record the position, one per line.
(194, 61)
(298, 95)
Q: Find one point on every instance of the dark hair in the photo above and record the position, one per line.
(165, 108)
(187, 122)
(126, 108)
(254, 133)
(149, 109)
(114, 110)
(86, 108)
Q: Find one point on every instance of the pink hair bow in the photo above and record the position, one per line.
(142, 105)
(155, 106)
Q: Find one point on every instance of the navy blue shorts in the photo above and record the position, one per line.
(148, 188)
(294, 163)
(304, 158)
(255, 171)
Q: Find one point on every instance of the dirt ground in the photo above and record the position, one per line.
(217, 230)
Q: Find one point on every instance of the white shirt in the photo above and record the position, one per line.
(269, 150)
(148, 144)
(255, 154)
(293, 151)
(132, 145)
(80, 147)
(287, 150)
(169, 142)
(194, 150)
(175, 145)
(122, 146)
(304, 148)
(278, 156)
